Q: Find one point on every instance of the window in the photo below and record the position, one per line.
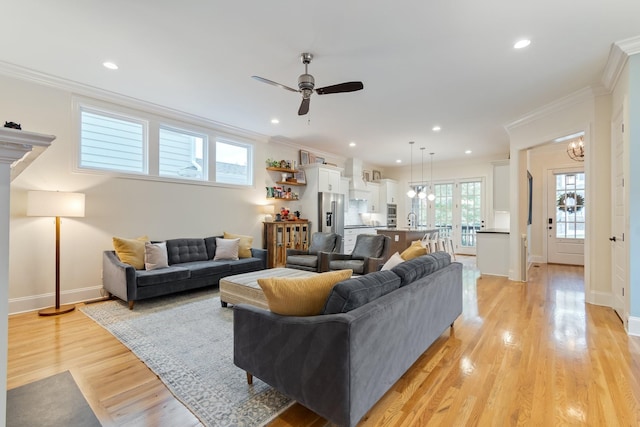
(570, 208)
(112, 143)
(233, 163)
(181, 154)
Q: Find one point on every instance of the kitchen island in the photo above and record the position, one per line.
(492, 251)
(402, 237)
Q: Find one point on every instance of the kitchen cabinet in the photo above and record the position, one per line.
(492, 252)
(344, 190)
(501, 186)
(388, 192)
(373, 202)
(328, 180)
(278, 236)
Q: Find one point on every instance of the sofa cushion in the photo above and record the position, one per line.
(310, 261)
(322, 242)
(157, 277)
(186, 250)
(358, 291)
(413, 251)
(300, 296)
(368, 246)
(414, 269)
(227, 249)
(210, 243)
(155, 255)
(357, 265)
(393, 260)
(244, 250)
(245, 265)
(131, 251)
(206, 268)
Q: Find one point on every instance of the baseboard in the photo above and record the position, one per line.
(599, 298)
(634, 326)
(36, 302)
(537, 259)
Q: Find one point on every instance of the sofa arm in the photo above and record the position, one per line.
(261, 254)
(118, 278)
(305, 358)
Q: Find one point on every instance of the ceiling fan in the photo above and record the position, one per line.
(306, 85)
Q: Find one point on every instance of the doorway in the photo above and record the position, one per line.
(566, 211)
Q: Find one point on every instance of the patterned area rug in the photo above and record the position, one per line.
(187, 340)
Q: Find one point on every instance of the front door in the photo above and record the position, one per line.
(566, 217)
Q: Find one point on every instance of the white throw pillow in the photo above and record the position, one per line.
(226, 249)
(155, 255)
(393, 260)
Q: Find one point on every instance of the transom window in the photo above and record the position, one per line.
(134, 142)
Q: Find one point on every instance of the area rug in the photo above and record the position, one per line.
(50, 402)
(187, 340)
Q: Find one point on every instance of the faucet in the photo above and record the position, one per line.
(411, 219)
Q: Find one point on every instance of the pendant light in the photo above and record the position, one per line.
(431, 196)
(422, 194)
(411, 193)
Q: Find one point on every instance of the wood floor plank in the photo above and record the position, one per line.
(520, 354)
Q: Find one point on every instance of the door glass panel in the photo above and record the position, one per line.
(570, 208)
(443, 211)
(470, 212)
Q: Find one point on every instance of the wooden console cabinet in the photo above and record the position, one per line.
(282, 235)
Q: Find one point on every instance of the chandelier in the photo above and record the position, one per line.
(575, 150)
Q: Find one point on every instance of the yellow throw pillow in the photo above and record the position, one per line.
(246, 242)
(415, 250)
(300, 296)
(131, 251)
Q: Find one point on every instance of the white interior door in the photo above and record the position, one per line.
(618, 244)
(469, 211)
(566, 212)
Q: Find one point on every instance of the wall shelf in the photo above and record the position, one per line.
(290, 183)
(274, 169)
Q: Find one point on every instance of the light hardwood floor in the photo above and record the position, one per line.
(520, 354)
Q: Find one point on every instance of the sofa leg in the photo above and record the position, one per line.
(249, 378)
(223, 303)
(131, 304)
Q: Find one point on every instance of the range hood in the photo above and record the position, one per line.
(357, 187)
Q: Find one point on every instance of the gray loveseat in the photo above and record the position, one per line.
(191, 266)
(339, 365)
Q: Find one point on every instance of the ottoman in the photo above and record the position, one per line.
(244, 288)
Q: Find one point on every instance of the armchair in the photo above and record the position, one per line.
(309, 260)
(369, 253)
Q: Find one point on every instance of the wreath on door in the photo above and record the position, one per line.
(570, 202)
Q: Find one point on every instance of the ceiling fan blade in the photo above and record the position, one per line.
(304, 107)
(263, 80)
(340, 87)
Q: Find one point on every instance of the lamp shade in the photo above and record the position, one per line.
(268, 209)
(55, 203)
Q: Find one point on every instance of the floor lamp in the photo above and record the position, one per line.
(55, 204)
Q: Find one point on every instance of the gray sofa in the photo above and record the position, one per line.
(339, 365)
(191, 266)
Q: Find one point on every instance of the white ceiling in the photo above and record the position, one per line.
(423, 63)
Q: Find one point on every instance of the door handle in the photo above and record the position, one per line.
(613, 239)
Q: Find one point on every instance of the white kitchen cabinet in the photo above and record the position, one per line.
(328, 180)
(344, 190)
(388, 192)
(373, 202)
(501, 186)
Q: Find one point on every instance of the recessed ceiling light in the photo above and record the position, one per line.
(275, 121)
(110, 65)
(398, 161)
(522, 43)
(467, 152)
(352, 144)
(436, 128)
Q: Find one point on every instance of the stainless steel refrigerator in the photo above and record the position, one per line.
(331, 214)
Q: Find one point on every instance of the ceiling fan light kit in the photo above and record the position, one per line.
(306, 85)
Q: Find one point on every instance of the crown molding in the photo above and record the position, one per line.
(75, 88)
(618, 55)
(580, 96)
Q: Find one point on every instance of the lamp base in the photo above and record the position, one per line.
(52, 311)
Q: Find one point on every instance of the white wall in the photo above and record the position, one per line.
(114, 206)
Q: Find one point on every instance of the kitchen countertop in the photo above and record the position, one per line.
(364, 226)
